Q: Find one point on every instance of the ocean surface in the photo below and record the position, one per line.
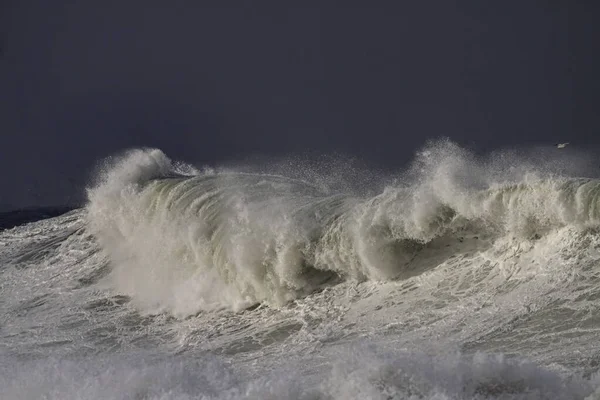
(461, 277)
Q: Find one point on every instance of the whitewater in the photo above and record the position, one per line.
(461, 277)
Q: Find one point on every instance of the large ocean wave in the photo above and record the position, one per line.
(182, 240)
(459, 277)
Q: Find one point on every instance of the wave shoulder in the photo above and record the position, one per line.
(11, 219)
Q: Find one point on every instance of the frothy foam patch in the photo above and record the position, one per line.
(366, 374)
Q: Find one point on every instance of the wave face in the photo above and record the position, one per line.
(181, 240)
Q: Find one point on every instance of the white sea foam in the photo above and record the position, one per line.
(365, 374)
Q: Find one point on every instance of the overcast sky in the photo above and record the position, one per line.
(214, 84)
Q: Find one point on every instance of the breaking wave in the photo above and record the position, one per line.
(183, 240)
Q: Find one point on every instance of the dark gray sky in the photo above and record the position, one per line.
(215, 83)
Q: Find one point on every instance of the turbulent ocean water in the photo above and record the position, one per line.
(462, 277)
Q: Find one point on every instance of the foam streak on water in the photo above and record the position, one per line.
(458, 278)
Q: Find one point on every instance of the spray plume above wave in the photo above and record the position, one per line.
(182, 240)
